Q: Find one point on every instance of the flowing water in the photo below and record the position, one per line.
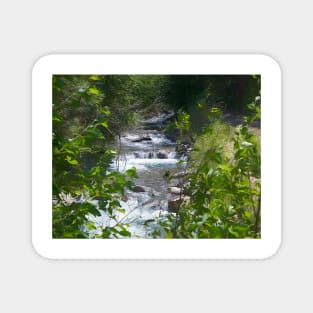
(153, 154)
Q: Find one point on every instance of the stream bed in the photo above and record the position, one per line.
(153, 154)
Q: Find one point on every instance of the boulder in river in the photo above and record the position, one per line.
(138, 189)
(162, 155)
(141, 139)
(147, 138)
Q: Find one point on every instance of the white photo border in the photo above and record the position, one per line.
(166, 64)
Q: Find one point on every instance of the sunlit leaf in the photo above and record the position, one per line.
(94, 77)
(94, 91)
(105, 110)
(105, 124)
(71, 161)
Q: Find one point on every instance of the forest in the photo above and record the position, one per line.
(156, 156)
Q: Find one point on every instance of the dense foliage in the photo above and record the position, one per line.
(221, 193)
(82, 156)
(224, 197)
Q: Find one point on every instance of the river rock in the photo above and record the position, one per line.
(174, 190)
(138, 189)
(182, 174)
(141, 139)
(147, 138)
(174, 204)
(162, 155)
(124, 198)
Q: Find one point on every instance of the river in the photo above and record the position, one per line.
(153, 154)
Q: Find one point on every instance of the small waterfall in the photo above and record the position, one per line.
(153, 154)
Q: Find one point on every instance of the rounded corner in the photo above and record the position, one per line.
(41, 61)
(273, 251)
(38, 251)
(272, 61)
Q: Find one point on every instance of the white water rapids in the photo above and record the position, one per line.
(152, 153)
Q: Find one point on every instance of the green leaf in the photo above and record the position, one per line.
(132, 172)
(91, 226)
(251, 106)
(180, 162)
(121, 180)
(56, 119)
(105, 110)
(147, 222)
(94, 211)
(125, 233)
(94, 77)
(233, 232)
(110, 210)
(95, 171)
(247, 214)
(71, 161)
(94, 91)
(105, 124)
(111, 152)
(121, 210)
